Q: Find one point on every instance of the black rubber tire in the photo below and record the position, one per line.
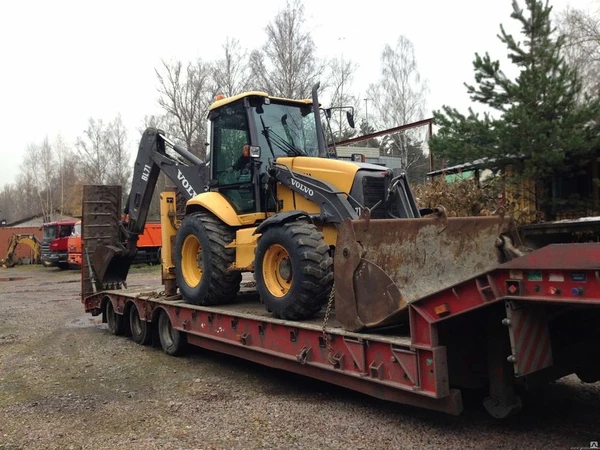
(116, 322)
(173, 342)
(141, 331)
(311, 270)
(588, 375)
(217, 285)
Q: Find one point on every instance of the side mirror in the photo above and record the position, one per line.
(350, 118)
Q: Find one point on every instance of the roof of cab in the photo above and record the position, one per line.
(227, 100)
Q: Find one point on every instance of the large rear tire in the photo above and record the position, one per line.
(294, 270)
(202, 260)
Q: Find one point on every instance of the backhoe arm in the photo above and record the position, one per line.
(111, 261)
(189, 177)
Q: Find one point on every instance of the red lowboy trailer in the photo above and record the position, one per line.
(527, 322)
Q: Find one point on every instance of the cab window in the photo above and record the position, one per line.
(232, 170)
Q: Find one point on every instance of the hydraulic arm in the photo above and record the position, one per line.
(188, 173)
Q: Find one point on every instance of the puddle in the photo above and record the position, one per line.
(13, 278)
(84, 321)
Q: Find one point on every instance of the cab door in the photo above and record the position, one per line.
(232, 172)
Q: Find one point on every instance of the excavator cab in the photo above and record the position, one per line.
(248, 133)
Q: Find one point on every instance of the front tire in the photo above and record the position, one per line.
(294, 270)
(202, 260)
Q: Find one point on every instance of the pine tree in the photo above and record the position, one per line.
(538, 126)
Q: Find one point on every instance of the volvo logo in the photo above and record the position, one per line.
(301, 187)
(186, 184)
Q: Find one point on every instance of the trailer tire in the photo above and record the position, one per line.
(588, 375)
(203, 276)
(173, 342)
(141, 331)
(116, 322)
(294, 270)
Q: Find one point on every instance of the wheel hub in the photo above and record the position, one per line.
(285, 269)
(277, 270)
(191, 260)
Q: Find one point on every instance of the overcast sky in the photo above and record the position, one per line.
(64, 62)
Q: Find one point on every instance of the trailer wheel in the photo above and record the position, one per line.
(173, 342)
(588, 375)
(141, 331)
(116, 322)
(202, 260)
(294, 270)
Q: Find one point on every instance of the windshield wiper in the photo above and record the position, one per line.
(266, 134)
(282, 144)
(285, 145)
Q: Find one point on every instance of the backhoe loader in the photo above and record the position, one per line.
(28, 239)
(273, 200)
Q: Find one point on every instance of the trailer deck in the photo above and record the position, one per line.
(381, 365)
(532, 320)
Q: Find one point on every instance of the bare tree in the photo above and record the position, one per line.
(582, 46)
(62, 152)
(185, 95)
(92, 149)
(46, 175)
(287, 65)
(31, 181)
(119, 167)
(340, 85)
(10, 203)
(231, 73)
(399, 98)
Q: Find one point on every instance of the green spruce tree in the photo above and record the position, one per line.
(537, 125)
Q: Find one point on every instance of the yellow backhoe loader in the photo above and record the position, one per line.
(274, 200)
(28, 239)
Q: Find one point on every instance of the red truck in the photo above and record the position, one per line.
(55, 243)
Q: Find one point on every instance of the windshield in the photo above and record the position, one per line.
(289, 130)
(50, 232)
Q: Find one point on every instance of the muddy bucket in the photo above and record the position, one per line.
(382, 266)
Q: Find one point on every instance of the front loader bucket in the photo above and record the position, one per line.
(381, 266)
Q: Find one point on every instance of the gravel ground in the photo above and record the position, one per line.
(66, 382)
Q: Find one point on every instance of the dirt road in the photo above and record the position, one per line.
(66, 382)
